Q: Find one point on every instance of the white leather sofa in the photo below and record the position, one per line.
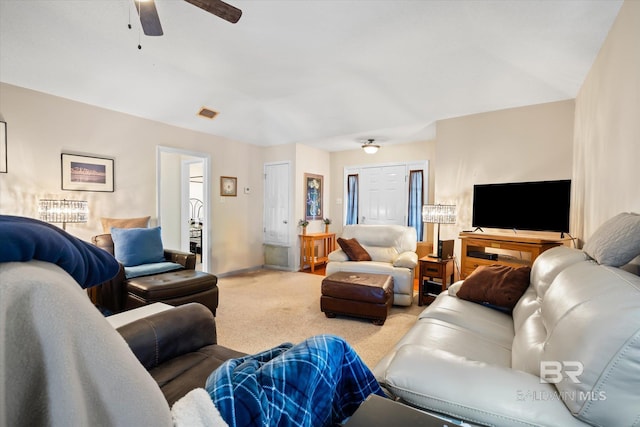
(577, 325)
(393, 252)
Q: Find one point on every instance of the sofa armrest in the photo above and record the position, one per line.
(408, 259)
(111, 294)
(185, 259)
(162, 336)
(338, 255)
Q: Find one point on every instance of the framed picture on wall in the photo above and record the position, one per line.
(87, 173)
(3, 147)
(313, 196)
(228, 186)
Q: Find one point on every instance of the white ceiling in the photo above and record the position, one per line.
(325, 73)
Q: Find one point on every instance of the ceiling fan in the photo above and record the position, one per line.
(369, 147)
(151, 21)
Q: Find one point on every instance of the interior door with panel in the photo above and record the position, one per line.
(276, 203)
(383, 195)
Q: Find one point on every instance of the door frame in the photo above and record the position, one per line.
(206, 194)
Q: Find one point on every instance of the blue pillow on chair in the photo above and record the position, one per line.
(136, 246)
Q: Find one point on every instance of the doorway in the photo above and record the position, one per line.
(174, 170)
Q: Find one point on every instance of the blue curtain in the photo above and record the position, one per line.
(352, 199)
(416, 195)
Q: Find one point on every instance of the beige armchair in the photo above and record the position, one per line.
(393, 251)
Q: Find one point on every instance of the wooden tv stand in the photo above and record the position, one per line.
(515, 250)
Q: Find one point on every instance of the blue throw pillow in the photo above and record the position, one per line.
(135, 246)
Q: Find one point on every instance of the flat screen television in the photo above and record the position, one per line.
(536, 206)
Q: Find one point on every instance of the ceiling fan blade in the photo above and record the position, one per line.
(149, 17)
(219, 8)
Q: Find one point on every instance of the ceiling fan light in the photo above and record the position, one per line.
(370, 148)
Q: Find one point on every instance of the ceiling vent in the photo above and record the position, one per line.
(207, 113)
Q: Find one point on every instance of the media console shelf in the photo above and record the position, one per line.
(514, 250)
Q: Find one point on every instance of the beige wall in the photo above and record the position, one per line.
(607, 128)
(520, 144)
(41, 126)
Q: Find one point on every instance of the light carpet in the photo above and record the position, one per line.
(264, 308)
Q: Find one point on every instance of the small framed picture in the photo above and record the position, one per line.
(3, 147)
(87, 173)
(313, 196)
(228, 186)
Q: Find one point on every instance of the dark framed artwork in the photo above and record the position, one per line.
(3, 147)
(228, 186)
(314, 204)
(87, 173)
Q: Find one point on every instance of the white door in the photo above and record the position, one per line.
(276, 203)
(383, 195)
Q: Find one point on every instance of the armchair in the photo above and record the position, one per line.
(172, 287)
(392, 249)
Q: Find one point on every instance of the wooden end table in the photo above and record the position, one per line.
(326, 245)
(433, 268)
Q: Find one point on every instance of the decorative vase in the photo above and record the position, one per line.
(304, 230)
(326, 228)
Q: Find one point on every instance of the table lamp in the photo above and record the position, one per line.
(64, 211)
(439, 214)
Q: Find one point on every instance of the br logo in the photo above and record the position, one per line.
(552, 371)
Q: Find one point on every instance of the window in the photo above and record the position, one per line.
(416, 197)
(352, 199)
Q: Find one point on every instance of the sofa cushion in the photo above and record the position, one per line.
(135, 246)
(354, 250)
(382, 253)
(400, 237)
(497, 285)
(109, 223)
(493, 325)
(483, 392)
(149, 269)
(617, 241)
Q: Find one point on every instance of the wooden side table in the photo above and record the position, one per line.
(434, 268)
(307, 249)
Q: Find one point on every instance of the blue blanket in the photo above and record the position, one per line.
(24, 239)
(318, 382)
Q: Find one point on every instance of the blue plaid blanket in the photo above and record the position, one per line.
(319, 382)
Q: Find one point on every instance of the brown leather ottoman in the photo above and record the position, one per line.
(174, 288)
(357, 294)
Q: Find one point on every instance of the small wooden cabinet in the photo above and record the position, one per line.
(513, 250)
(309, 255)
(433, 268)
